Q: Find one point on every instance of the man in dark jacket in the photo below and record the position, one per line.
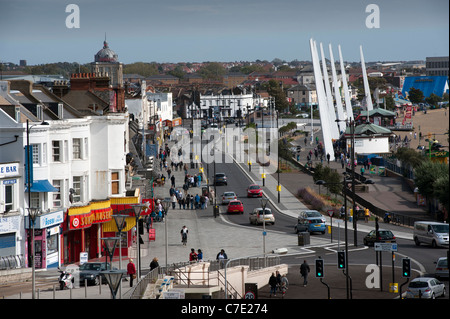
(304, 270)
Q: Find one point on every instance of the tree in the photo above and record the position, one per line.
(331, 177)
(433, 99)
(212, 71)
(274, 89)
(415, 95)
(427, 177)
(441, 186)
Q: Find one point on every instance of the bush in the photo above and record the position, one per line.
(316, 201)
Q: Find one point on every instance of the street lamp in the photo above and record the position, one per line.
(264, 201)
(33, 212)
(120, 223)
(110, 245)
(137, 213)
(166, 206)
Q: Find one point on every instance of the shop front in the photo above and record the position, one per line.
(47, 244)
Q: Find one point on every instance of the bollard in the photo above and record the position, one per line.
(70, 293)
(54, 292)
(85, 288)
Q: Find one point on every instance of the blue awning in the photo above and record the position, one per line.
(42, 186)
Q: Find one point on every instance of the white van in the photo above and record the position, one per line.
(432, 233)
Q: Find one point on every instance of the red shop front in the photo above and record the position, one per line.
(82, 230)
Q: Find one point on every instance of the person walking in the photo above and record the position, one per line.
(173, 180)
(154, 264)
(304, 271)
(174, 201)
(131, 271)
(221, 257)
(184, 232)
(273, 285)
(284, 285)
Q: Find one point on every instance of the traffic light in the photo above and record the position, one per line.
(406, 269)
(319, 268)
(341, 260)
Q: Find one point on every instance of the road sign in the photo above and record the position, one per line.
(385, 246)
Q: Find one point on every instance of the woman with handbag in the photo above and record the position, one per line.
(131, 270)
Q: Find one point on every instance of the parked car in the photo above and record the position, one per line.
(426, 288)
(432, 233)
(384, 236)
(311, 224)
(254, 190)
(90, 271)
(305, 214)
(227, 197)
(258, 217)
(220, 178)
(235, 206)
(441, 270)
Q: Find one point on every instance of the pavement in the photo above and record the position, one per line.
(211, 234)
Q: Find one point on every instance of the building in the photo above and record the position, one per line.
(427, 84)
(303, 95)
(437, 66)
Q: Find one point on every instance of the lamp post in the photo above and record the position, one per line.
(33, 212)
(166, 207)
(120, 223)
(137, 213)
(264, 201)
(110, 245)
(278, 155)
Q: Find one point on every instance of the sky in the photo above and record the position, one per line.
(222, 30)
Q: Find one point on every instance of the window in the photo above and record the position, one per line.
(86, 147)
(57, 195)
(76, 185)
(76, 146)
(115, 183)
(35, 153)
(8, 198)
(35, 200)
(56, 151)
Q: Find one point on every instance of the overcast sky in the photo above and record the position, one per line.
(221, 30)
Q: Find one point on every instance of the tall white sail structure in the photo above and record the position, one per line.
(323, 104)
(337, 94)
(331, 110)
(348, 103)
(366, 82)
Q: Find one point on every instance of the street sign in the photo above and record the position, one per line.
(386, 246)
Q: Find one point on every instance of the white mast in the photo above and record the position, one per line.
(323, 105)
(348, 104)
(337, 93)
(366, 82)
(331, 110)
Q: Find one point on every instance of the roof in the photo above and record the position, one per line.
(369, 129)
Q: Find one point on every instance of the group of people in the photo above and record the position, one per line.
(278, 282)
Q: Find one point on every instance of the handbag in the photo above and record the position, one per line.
(134, 276)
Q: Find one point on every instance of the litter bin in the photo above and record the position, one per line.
(303, 238)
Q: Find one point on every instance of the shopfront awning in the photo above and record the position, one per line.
(42, 186)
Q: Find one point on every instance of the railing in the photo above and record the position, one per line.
(254, 263)
(11, 262)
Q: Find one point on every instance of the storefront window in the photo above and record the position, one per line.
(52, 244)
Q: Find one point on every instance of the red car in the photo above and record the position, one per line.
(235, 206)
(254, 191)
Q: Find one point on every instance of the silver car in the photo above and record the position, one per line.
(257, 217)
(441, 270)
(425, 288)
(227, 197)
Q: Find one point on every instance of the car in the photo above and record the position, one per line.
(258, 217)
(235, 206)
(305, 214)
(90, 272)
(384, 236)
(220, 178)
(425, 288)
(311, 224)
(441, 270)
(254, 190)
(227, 197)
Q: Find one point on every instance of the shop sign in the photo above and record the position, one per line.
(92, 217)
(9, 169)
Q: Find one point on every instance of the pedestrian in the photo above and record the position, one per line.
(328, 158)
(278, 275)
(193, 257)
(221, 257)
(174, 201)
(304, 271)
(197, 201)
(199, 255)
(131, 270)
(366, 215)
(199, 180)
(173, 180)
(273, 285)
(184, 232)
(154, 264)
(284, 285)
